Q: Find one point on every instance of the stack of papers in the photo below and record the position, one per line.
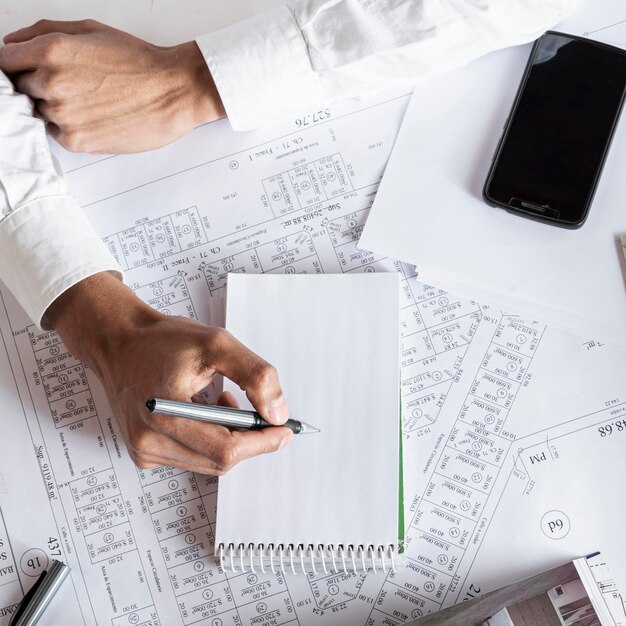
(429, 210)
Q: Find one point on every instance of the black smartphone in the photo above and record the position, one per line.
(551, 153)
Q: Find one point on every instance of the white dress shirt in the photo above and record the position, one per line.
(308, 53)
(47, 244)
(295, 59)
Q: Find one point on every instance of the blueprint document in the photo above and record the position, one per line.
(513, 432)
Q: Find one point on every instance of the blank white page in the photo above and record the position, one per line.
(335, 342)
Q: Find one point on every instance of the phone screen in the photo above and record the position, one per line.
(556, 140)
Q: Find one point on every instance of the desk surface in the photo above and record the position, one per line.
(506, 436)
(164, 22)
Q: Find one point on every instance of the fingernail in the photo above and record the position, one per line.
(285, 441)
(278, 411)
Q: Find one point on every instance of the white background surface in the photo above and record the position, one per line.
(173, 22)
(164, 22)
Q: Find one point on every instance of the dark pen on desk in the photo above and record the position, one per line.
(224, 416)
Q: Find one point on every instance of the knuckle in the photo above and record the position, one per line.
(263, 374)
(137, 457)
(54, 47)
(272, 446)
(58, 113)
(227, 457)
(55, 87)
(73, 140)
(90, 24)
(139, 443)
(141, 462)
(219, 338)
(217, 342)
(48, 85)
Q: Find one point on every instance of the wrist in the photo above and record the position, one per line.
(203, 101)
(95, 316)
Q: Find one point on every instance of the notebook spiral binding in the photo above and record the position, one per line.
(294, 558)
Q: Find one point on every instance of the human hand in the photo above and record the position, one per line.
(104, 91)
(138, 353)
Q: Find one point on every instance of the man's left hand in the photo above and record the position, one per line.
(102, 90)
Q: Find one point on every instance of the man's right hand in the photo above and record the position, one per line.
(138, 353)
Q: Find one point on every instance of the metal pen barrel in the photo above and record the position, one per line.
(225, 416)
(222, 415)
(49, 585)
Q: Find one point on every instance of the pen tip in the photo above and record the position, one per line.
(307, 429)
(150, 404)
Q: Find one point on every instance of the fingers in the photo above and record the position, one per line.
(227, 399)
(225, 448)
(19, 57)
(252, 443)
(34, 84)
(255, 376)
(57, 133)
(45, 50)
(44, 44)
(150, 449)
(50, 111)
(198, 447)
(72, 140)
(45, 27)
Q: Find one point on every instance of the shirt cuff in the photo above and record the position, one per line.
(51, 232)
(262, 69)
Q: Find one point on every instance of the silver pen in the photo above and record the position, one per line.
(222, 415)
(34, 603)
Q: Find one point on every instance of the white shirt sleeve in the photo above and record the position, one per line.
(46, 242)
(309, 53)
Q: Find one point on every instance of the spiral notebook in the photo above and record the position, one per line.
(328, 501)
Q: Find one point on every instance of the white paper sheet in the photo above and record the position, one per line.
(515, 448)
(473, 382)
(429, 210)
(334, 340)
